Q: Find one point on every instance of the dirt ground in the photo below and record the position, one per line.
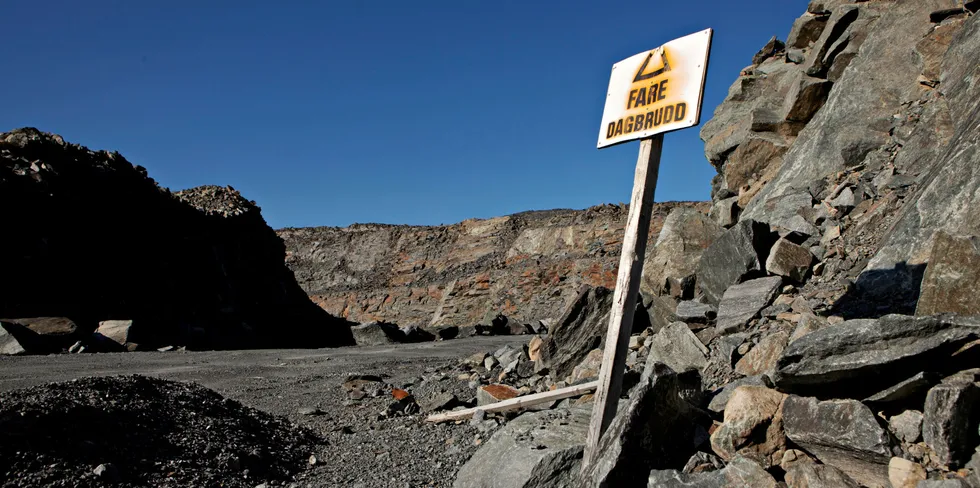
(360, 447)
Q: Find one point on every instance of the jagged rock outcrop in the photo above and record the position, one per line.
(91, 237)
(527, 266)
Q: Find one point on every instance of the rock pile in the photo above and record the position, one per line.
(818, 328)
(95, 239)
(138, 431)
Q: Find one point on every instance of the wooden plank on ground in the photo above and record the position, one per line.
(624, 298)
(517, 402)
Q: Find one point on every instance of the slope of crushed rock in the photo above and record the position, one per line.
(152, 432)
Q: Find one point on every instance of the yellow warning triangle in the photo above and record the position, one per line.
(657, 67)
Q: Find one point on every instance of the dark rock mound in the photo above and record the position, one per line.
(91, 237)
(139, 431)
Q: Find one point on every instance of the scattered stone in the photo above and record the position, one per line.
(912, 390)
(441, 401)
(307, 411)
(740, 473)
(789, 260)
(904, 473)
(857, 356)
(534, 348)
(677, 347)
(107, 473)
(654, 429)
(813, 475)
(753, 426)
(732, 257)
(951, 281)
(762, 358)
(721, 397)
(907, 426)
(703, 462)
(535, 450)
(589, 367)
(487, 394)
(690, 311)
(580, 329)
(842, 433)
(950, 419)
(743, 302)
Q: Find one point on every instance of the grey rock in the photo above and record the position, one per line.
(371, 334)
(441, 401)
(580, 329)
(740, 473)
(723, 394)
(787, 211)
(670, 266)
(841, 433)
(46, 334)
(107, 472)
(947, 483)
(907, 426)
(857, 356)
(789, 260)
(655, 429)
(738, 253)
(762, 358)
(806, 30)
(725, 212)
(770, 49)
(812, 475)
(677, 347)
(690, 311)
(307, 411)
(909, 390)
(743, 302)
(950, 419)
(806, 96)
(536, 449)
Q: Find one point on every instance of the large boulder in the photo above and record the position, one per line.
(753, 426)
(739, 473)
(789, 260)
(671, 265)
(535, 450)
(55, 333)
(737, 254)
(857, 356)
(374, 334)
(9, 344)
(842, 433)
(951, 282)
(950, 421)
(655, 429)
(743, 302)
(580, 329)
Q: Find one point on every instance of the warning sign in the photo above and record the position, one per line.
(656, 91)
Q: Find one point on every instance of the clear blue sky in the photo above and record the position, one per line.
(330, 112)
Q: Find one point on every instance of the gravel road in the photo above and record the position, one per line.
(360, 448)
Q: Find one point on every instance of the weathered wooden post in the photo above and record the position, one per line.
(650, 93)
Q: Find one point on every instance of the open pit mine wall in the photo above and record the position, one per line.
(855, 134)
(527, 266)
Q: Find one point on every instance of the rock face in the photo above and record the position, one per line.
(951, 281)
(97, 239)
(527, 266)
(535, 450)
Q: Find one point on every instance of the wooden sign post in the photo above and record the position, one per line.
(650, 93)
